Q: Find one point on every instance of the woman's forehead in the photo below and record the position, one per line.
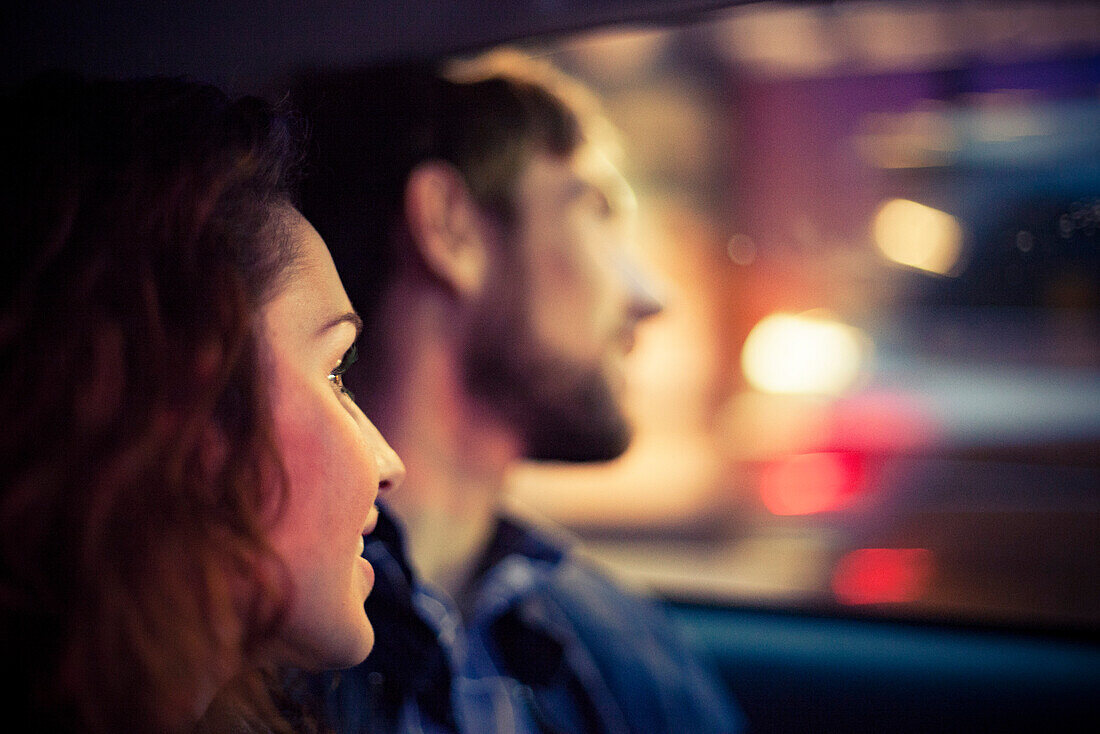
(312, 293)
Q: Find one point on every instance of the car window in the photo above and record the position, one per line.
(876, 383)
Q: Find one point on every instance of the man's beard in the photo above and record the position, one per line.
(562, 411)
(595, 431)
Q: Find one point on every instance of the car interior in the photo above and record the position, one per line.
(866, 474)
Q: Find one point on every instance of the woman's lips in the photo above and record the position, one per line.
(368, 571)
(372, 521)
(368, 528)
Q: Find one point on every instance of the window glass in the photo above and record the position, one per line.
(876, 383)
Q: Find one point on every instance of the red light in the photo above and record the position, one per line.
(882, 575)
(809, 483)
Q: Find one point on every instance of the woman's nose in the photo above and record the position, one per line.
(391, 470)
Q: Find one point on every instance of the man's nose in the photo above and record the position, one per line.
(642, 289)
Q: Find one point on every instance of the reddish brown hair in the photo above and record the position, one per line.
(137, 461)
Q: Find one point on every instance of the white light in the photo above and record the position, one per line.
(803, 354)
(918, 236)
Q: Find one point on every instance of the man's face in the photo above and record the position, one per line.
(547, 348)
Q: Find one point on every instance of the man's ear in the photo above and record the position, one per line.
(446, 226)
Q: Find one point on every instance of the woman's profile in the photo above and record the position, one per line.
(184, 481)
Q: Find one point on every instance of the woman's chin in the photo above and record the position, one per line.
(363, 648)
(333, 653)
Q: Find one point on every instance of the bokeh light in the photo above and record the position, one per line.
(912, 234)
(882, 575)
(804, 484)
(804, 354)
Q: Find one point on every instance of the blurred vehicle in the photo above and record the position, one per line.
(958, 464)
(866, 478)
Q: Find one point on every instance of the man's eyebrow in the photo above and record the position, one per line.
(616, 195)
(350, 317)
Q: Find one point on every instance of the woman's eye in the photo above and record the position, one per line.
(336, 377)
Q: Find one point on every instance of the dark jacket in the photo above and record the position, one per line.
(549, 645)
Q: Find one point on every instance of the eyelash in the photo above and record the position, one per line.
(336, 377)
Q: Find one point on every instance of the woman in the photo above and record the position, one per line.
(184, 482)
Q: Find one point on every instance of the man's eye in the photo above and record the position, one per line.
(336, 377)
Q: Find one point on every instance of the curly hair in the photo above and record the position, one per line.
(140, 236)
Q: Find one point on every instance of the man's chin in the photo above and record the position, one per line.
(561, 411)
(594, 431)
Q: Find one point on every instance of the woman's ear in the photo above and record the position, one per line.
(447, 227)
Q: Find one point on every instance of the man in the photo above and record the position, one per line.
(482, 229)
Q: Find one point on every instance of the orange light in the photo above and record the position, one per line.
(918, 236)
(882, 575)
(807, 483)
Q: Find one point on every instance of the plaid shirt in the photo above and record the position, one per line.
(550, 646)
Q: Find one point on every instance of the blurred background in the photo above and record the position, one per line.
(876, 385)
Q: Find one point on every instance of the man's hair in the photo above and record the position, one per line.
(141, 233)
(370, 128)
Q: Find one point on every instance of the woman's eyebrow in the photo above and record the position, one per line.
(350, 317)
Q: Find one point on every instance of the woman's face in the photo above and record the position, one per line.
(336, 461)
